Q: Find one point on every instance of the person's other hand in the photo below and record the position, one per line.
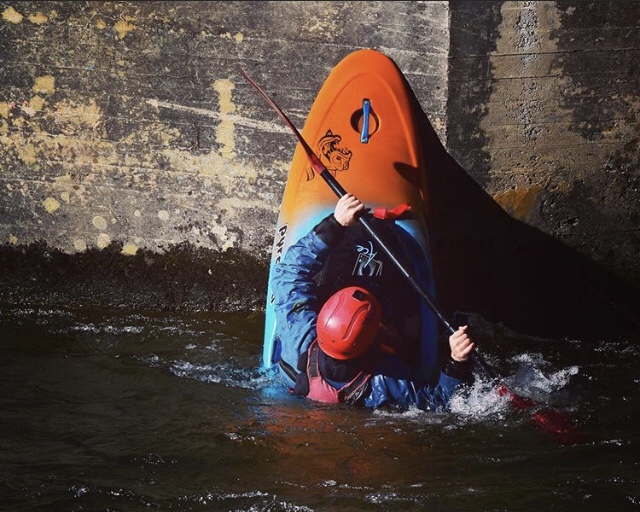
(461, 344)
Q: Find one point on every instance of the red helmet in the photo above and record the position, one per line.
(348, 323)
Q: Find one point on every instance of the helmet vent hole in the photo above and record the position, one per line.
(359, 295)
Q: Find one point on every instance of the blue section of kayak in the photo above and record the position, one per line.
(415, 240)
(271, 349)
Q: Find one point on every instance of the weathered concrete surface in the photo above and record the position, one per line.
(134, 158)
(543, 115)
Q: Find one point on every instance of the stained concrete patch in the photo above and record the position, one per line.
(44, 84)
(10, 15)
(519, 202)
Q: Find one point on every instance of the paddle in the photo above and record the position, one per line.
(551, 421)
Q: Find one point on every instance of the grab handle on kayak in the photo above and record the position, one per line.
(366, 111)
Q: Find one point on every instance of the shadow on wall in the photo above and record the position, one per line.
(485, 260)
(509, 272)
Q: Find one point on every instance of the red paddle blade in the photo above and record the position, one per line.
(554, 421)
(557, 423)
(519, 402)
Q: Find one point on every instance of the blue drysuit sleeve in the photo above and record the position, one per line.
(295, 295)
(387, 390)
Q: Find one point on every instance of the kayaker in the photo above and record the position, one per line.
(337, 352)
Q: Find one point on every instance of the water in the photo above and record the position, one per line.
(116, 411)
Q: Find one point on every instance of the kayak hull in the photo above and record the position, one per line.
(363, 128)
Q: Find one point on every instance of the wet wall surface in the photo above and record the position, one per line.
(137, 168)
(181, 279)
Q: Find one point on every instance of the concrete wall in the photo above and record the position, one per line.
(138, 169)
(542, 116)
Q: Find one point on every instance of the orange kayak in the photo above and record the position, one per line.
(363, 128)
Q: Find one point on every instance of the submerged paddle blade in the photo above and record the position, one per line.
(560, 425)
(519, 402)
(557, 423)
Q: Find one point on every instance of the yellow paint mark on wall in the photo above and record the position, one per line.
(28, 110)
(519, 202)
(80, 245)
(438, 124)
(12, 16)
(26, 153)
(99, 222)
(44, 84)
(51, 204)
(226, 129)
(36, 103)
(75, 118)
(38, 18)
(130, 249)
(5, 108)
(123, 27)
(67, 185)
(103, 241)
(237, 37)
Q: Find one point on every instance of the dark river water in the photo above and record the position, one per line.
(115, 411)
